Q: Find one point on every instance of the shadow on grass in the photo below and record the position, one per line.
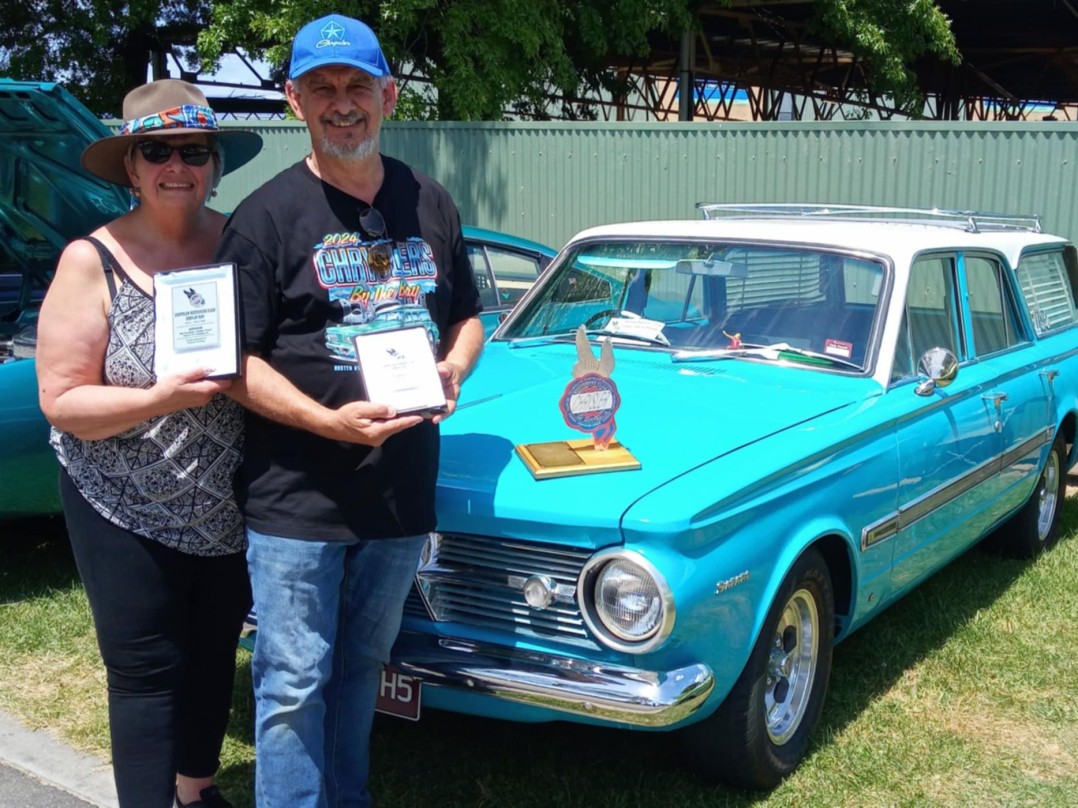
(35, 558)
(451, 760)
(455, 761)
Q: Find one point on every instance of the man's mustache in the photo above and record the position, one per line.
(350, 119)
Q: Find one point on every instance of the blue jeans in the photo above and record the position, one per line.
(328, 614)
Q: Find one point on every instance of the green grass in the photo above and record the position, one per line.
(963, 694)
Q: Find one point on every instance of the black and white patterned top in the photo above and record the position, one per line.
(170, 478)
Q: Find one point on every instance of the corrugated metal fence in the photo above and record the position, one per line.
(547, 181)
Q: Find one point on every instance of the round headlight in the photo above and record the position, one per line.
(628, 600)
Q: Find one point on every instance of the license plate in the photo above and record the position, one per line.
(399, 694)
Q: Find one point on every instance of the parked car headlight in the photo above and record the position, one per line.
(625, 601)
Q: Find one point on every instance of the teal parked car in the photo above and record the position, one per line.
(824, 406)
(46, 199)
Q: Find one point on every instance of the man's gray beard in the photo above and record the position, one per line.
(351, 152)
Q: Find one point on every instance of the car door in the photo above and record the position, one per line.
(1018, 390)
(948, 445)
(502, 275)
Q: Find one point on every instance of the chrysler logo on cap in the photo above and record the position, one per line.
(332, 34)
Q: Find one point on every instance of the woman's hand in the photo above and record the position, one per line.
(185, 389)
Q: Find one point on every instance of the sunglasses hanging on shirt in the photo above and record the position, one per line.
(372, 223)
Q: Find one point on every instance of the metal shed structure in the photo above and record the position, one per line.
(546, 181)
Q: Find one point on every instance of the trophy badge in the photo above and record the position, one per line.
(589, 404)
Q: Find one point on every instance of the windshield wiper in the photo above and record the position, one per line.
(834, 360)
(539, 339)
(603, 332)
(762, 351)
(773, 352)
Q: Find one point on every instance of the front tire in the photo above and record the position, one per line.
(761, 731)
(1035, 528)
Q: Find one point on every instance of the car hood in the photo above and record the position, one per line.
(50, 198)
(674, 417)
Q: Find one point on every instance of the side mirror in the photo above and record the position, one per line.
(939, 367)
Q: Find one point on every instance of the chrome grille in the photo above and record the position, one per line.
(479, 581)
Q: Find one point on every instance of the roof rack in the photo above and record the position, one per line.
(968, 220)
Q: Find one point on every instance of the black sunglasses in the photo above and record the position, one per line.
(372, 223)
(157, 151)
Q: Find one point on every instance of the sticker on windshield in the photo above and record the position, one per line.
(836, 347)
(635, 327)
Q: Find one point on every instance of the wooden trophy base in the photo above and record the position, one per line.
(566, 458)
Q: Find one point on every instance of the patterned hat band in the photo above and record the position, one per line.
(188, 116)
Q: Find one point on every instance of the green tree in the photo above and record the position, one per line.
(889, 36)
(482, 57)
(99, 49)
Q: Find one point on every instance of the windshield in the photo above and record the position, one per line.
(712, 300)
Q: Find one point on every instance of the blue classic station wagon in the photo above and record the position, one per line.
(826, 404)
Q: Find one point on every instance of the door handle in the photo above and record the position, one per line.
(997, 400)
(1050, 375)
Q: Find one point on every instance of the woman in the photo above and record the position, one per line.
(147, 463)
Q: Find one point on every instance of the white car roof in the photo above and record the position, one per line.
(900, 240)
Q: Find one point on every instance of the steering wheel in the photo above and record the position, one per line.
(600, 315)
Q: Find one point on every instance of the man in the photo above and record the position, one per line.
(338, 492)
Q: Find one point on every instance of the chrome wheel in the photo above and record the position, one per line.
(1035, 527)
(791, 666)
(1047, 496)
(761, 731)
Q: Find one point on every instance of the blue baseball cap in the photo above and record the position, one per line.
(337, 40)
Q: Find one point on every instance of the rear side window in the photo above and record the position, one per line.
(775, 276)
(1047, 283)
(994, 323)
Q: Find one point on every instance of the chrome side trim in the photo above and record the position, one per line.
(564, 684)
(932, 501)
(878, 531)
(1018, 452)
(890, 525)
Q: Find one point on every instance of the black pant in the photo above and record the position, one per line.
(167, 624)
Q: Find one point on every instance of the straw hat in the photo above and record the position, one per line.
(167, 107)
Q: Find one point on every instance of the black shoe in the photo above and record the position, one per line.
(209, 797)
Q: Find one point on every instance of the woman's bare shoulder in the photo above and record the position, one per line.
(80, 254)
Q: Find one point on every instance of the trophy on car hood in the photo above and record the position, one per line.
(591, 399)
(589, 404)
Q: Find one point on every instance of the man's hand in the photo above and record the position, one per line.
(368, 423)
(451, 376)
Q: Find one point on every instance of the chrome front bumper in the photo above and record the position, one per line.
(564, 684)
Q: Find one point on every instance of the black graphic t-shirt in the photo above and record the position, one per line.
(311, 277)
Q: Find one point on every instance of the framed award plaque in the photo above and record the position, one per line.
(197, 321)
(398, 368)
